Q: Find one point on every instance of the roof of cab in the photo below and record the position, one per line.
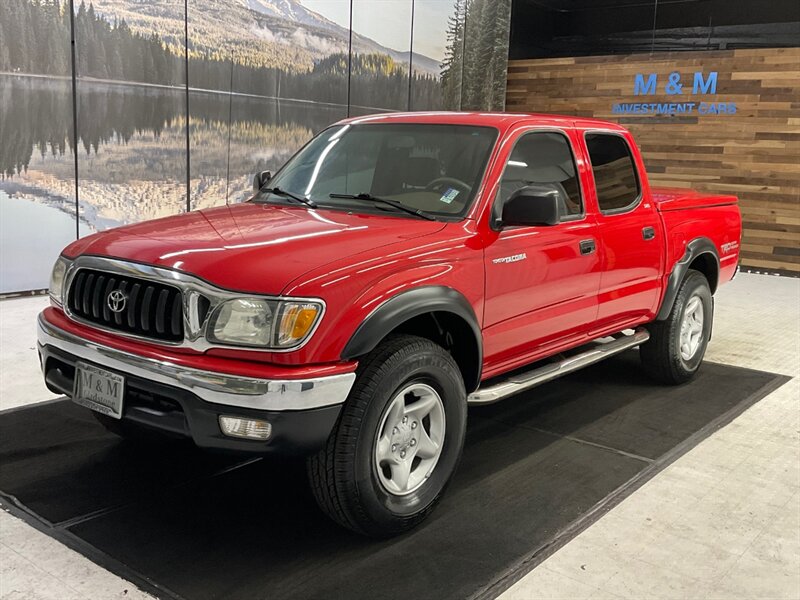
(499, 120)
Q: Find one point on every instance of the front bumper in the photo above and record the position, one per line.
(188, 402)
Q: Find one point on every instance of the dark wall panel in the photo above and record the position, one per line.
(559, 28)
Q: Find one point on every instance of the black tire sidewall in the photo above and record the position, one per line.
(437, 370)
(695, 285)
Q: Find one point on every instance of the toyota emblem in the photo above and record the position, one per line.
(116, 301)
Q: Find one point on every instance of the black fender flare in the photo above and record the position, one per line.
(698, 246)
(409, 304)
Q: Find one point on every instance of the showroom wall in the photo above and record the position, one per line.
(709, 89)
(172, 105)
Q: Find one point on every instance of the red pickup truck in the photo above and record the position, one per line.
(398, 268)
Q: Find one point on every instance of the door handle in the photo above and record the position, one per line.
(587, 246)
(648, 233)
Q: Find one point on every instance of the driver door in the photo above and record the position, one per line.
(541, 281)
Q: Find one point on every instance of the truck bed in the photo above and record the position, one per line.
(688, 215)
(669, 199)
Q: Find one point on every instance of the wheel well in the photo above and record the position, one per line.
(706, 263)
(453, 334)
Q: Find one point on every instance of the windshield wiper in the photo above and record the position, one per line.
(398, 205)
(283, 193)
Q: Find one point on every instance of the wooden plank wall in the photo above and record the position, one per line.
(754, 153)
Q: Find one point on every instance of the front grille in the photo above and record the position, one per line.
(145, 308)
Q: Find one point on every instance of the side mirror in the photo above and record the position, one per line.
(535, 204)
(261, 179)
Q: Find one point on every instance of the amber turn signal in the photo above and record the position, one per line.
(297, 320)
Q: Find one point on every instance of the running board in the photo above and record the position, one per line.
(524, 381)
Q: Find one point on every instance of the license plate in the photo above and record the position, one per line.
(99, 390)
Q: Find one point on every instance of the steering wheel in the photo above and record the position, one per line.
(439, 182)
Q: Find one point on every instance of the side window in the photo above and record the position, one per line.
(542, 157)
(614, 171)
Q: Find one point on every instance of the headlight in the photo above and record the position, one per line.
(57, 279)
(263, 323)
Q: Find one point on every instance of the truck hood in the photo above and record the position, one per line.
(258, 248)
(669, 199)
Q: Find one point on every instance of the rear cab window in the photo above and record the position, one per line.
(615, 176)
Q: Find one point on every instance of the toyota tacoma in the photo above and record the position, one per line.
(397, 269)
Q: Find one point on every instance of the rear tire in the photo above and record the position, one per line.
(398, 440)
(677, 345)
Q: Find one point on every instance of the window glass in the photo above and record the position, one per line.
(431, 167)
(542, 158)
(614, 171)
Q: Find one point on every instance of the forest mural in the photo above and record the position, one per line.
(176, 110)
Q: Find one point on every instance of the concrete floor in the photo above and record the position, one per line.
(723, 521)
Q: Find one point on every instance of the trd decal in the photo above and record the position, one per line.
(729, 247)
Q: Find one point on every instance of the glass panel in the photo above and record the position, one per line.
(209, 140)
(485, 55)
(131, 111)
(265, 133)
(37, 185)
(264, 77)
(380, 56)
(213, 47)
(438, 32)
(614, 172)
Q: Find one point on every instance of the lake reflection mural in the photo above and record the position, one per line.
(262, 78)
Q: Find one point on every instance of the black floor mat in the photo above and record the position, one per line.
(536, 469)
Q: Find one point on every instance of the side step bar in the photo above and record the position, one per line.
(524, 381)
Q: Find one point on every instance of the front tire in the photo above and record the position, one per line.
(678, 344)
(398, 440)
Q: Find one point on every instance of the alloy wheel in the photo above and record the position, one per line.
(410, 439)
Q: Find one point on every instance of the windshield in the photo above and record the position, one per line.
(431, 168)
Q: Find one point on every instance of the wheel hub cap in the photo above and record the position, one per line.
(691, 328)
(410, 439)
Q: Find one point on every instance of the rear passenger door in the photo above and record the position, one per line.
(541, 281)
(629, 228)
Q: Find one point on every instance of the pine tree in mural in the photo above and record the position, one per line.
(474, 68)
(109, 49)
(454, 57)
(34, 37)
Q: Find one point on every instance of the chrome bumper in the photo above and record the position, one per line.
(218, 388)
